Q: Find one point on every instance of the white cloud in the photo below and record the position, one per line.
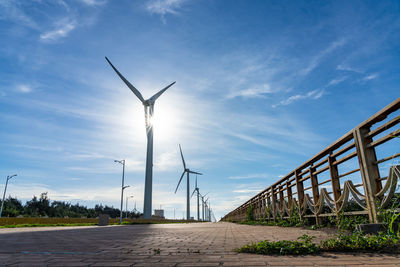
(23, 88)
(167, 160)
(345, 67)
(11, 10)
(249, 176)
(315, 94)
(337, 80)
(317, 59)
(245, 191)
(62, 30)
(94, 2)
(370, 77)
(252, 92)
(164, 7)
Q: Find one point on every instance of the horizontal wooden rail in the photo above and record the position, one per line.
(360, 138)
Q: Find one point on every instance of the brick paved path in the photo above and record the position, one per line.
(196, 244)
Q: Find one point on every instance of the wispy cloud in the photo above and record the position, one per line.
(94, 2)
(337, 80)
(63, 28)
(164, 7)
(245, 191)
(345, 67)
(24, 88)
(317, 59)
(315, 94)
(249, 176)
(12, 10)
(252, 92)
(167, 160)
(370, 77)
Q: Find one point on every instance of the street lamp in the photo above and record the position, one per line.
(122, 186)
(4, 195)
(126, 206)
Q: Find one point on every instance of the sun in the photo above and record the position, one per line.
(165, 122)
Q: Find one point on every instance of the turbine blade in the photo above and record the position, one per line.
(154, 97)
(193, 193)
(179, 181)
(183, 160)
(194, 172)
(134, 90)
(205, 195)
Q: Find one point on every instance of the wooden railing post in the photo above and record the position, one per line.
(263, 209)
(269, 206)
(289, 197)
(315, 191)
(300, 191)
(333, 170)
(274, 211)
(281, 200)
(369, 170)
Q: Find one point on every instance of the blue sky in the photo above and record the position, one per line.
(261, 86)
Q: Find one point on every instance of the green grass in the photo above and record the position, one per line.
(156, 222)
(45, 225)
(382, 242)
(354, 242)
(283, 247)
(112, 222)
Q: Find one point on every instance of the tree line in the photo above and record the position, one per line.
(43, 207)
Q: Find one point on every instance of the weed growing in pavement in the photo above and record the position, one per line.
(157, 251)
(284, 247)
(355, 242)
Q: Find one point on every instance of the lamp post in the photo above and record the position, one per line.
(122, 186)
(126, 206)
(4, 195)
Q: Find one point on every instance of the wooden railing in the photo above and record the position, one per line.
(317, 187)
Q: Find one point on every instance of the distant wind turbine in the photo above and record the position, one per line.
(206, 209)
(196, 189)
(187, 171)
(148, 115)
(202, 204)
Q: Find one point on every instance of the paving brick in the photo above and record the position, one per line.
(203, 244)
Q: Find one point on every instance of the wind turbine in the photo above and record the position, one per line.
(206, 209)
(148, 115)
(187, 171)
(202, 204)
(198, 196)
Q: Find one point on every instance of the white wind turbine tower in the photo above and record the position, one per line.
(148, 115)
(187, 171)
(206, 209)
(202, 204)
(196, 189)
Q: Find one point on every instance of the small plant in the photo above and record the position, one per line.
(391, 216)
(249, 213)
(353, 242)
(361, 242)
(350, 222)
(284, 247)
(157, 251)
